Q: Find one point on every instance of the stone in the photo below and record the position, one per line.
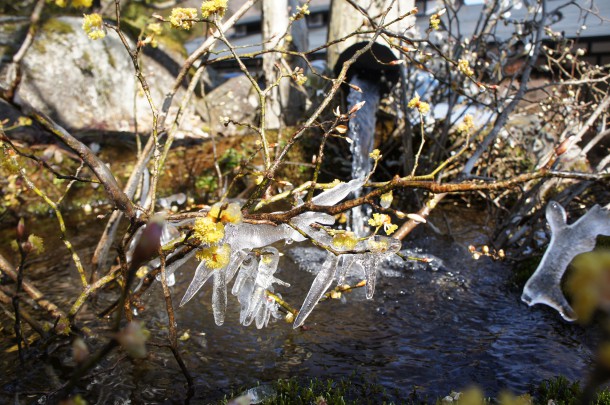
(235, 99)
(89, 85)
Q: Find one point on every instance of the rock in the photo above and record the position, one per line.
(235, 99)
(86, 84)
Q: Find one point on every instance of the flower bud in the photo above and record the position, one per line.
(21, 229)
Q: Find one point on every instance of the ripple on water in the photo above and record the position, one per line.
(439, 330)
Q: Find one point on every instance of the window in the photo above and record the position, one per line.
(240, 30)
(315, 20)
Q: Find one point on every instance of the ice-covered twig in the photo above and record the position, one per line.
(374, 251)
(567, 241)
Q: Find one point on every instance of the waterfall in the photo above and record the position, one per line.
(362, 134)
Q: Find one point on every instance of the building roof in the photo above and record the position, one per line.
(567, 19)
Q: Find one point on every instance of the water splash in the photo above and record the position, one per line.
(362, 134)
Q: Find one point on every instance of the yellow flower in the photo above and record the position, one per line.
(155, 28)
(346, 240)
(603, 353)
(386, 199)
(464, 67)
(209, 7)
(301, 12)
(467, 125)
(300, 79)
(375, 154)
(421, 106)
(231, 214)
(215, 257)
(507, 398)
(379, 219)
(384, 220)
(390, 228)
(37, 244)
(82, 3)
(424, 108)
(24, 121)
(589, 284)
(60, 3)
(435, 22)
(377, 246)
(181, 16)
(208, 231)
(93, 25)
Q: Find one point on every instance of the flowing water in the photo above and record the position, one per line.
(437, 328)
(362, 134)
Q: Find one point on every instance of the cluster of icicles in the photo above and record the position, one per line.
(253, 262)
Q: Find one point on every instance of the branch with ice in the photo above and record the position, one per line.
(567, 241)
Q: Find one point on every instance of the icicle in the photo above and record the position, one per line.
(319, 286)
(219, 297)
(251, 236)
(262, 317)
(381, 248)
(567, 241)
(237, 258)
(257, 301)
(337, 193)
(171, 268)
(244, 295)
(247, 271)
(202, 274)
(370, 264)
(345, 264)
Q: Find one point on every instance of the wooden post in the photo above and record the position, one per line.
(275, 24)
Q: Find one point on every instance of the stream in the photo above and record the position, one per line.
(429, 328)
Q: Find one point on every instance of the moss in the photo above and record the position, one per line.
(111, 59)
(57, 26)
(352, 390)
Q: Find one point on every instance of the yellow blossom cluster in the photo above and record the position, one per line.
(75, 3)
(345, 240)
(210, 7)
(155, 28)
(384, 220)
(231, 213)
(435, 22)
(464, 67)
(207, 230)
(300, 78)
(210, 230)
(375, 154)
(93, 25)
(467, 125)
(215, 257)
(182, 17)
(82, 3)
(421, 106)
(589, 284)
(302, 11)
(386, 199)
(377, 246)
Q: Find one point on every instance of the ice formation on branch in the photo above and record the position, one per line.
(374, 251)
(231, 249)
(567, 241)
